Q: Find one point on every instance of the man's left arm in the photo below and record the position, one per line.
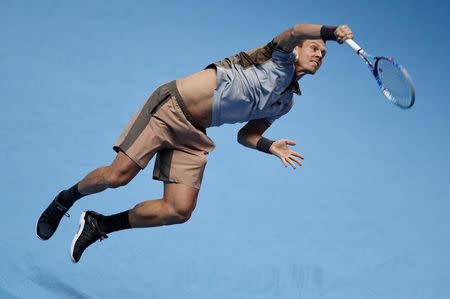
(251, 136)
(288, 40)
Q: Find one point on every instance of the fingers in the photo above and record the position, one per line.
(292, 161)
(284, 162)
(295, 154)
(296, 160)
(290, 142)
(288, 160)
(342, 33)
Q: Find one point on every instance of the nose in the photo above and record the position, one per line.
(319, 54)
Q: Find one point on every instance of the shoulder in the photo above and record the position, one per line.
(245, 59)
(260, 55)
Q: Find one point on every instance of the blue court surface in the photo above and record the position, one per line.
(366, 217)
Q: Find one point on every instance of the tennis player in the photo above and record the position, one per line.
(255, 87)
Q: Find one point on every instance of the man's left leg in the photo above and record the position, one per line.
(121, 171)
(175, 207)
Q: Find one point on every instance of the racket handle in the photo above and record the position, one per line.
(356, 47)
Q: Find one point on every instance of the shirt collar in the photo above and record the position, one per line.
(294, 87)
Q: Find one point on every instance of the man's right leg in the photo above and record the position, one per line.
(119, 173)
(175, 207)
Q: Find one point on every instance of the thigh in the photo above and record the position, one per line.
(124, 167)
(180, 166)
(145, 134)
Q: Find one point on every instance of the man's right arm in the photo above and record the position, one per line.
(251, 136)
(252, 132)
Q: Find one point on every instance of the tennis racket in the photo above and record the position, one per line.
(392, 78)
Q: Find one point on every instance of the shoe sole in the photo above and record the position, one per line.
(80, 229)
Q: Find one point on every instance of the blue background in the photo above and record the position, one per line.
(366, 217)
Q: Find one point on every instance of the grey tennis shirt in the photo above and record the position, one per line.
(257, 84)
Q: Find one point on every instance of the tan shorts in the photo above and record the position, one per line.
(164, 126)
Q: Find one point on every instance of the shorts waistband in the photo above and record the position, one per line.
(173, 90)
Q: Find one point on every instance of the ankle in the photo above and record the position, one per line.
(116, 222)
(68, 197)
(74, 192)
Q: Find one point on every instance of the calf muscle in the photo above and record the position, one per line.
(119, 173)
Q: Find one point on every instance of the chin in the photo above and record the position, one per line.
(308, 71)
(311, 71)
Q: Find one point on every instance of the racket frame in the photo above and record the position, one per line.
(373, 67)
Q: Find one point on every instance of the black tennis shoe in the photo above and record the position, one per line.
(88, 233)
(50, 218)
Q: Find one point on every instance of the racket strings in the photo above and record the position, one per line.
(395, 83)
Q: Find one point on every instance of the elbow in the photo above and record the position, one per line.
(244, 137)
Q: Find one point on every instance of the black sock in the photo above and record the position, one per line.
(68, 197)
(112, 223)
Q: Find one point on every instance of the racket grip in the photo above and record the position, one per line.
(356, 47)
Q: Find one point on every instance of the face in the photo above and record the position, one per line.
(310, 54)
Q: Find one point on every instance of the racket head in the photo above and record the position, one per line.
(394, 81)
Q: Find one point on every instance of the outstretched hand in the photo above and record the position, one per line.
(281, 149)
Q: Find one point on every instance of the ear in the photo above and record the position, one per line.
(296, 53)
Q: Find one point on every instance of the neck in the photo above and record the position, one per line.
(299, 75)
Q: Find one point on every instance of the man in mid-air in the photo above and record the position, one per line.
(256, 87)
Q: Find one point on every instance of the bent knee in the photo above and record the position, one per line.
(179, 218)
(182, 215)
(181, 212)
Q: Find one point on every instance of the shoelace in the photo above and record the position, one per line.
(62, 209)
(53, 213)
(92, 234)
(103, 236)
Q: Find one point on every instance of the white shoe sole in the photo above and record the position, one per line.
(80, 229)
